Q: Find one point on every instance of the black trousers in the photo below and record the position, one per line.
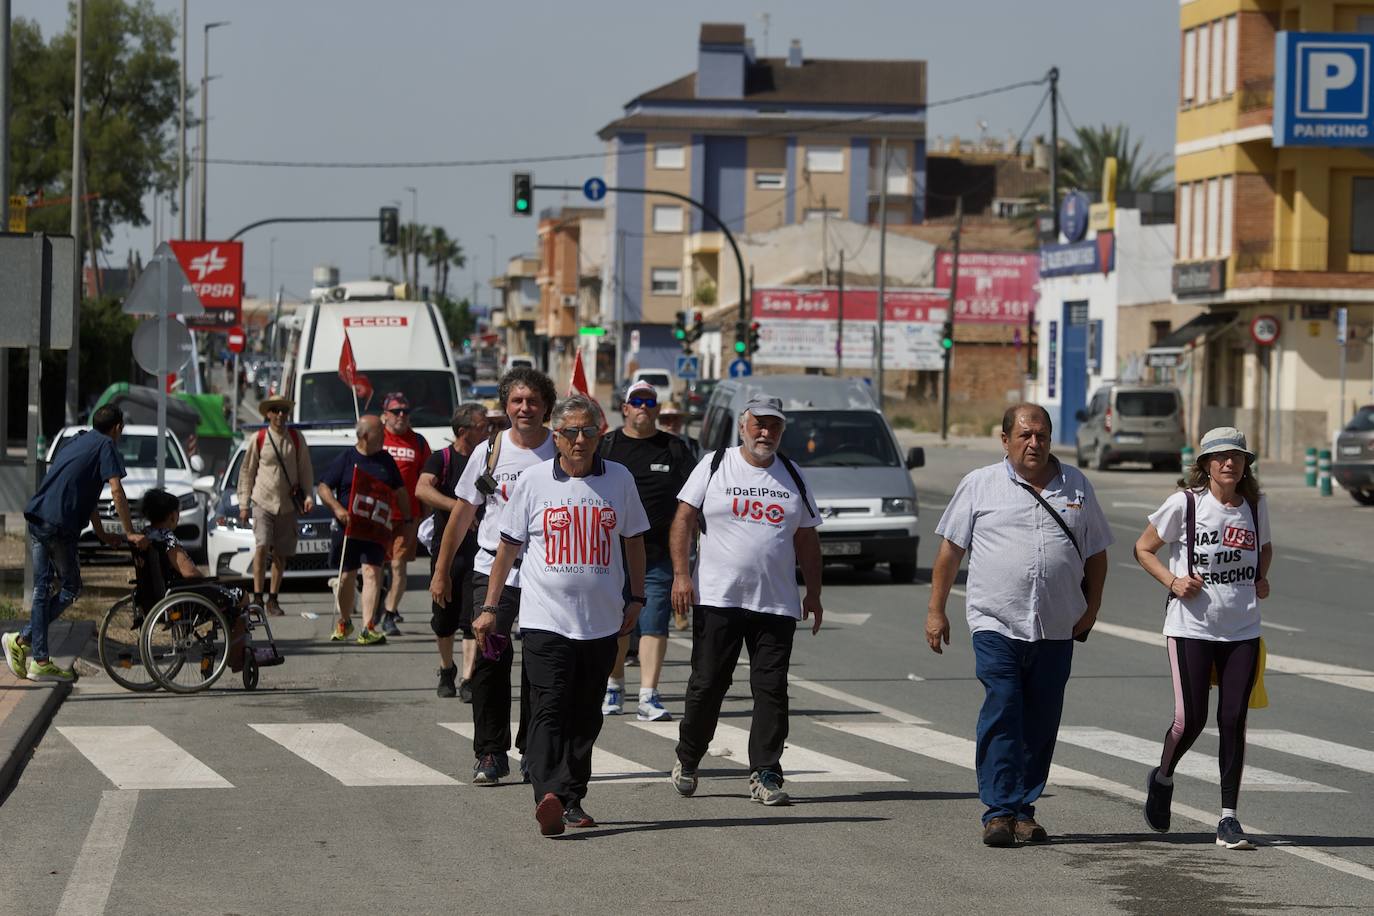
(456, 616)
(491, 692)
(566, 679)
(717, 635)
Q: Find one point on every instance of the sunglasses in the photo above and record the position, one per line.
(643, 402)
(272, 410)
(571, 432)
(399, 411)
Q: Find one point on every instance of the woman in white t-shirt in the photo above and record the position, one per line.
(1216, 578)
(578, 523)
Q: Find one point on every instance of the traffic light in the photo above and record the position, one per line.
(523, 202)
(680, 330)
(389, 225)
(947, 337)
(695, 329)
(754, 337)
(741, 337)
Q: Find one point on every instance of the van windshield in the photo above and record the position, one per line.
(324, 398)
(838, 438)
(1146, 403)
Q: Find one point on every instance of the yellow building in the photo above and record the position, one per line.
(1275, 214)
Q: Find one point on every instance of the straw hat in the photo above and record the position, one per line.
(275, 401)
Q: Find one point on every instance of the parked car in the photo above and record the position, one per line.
(183, 479)
(1353, 464)
(489, 393)
(231, 542)
(698, 393)
(1131, 423)
(858, 476)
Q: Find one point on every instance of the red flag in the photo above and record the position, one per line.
(579, 377)
(348, 371)
(369, 509)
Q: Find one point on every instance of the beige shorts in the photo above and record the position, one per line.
(276, 531)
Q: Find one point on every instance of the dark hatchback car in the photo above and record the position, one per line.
(1353, 464)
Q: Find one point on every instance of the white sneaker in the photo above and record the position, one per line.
(613, 704)
(651, 710)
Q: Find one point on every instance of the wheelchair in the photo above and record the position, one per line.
(178, 637)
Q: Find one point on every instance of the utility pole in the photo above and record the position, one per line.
(413, 242)
(839, 324)
(1054, 149)
(882, 268)
(74, 354)
(825, 246)
(953, 293)
(181, 120)
(4, 204)
(205, 124)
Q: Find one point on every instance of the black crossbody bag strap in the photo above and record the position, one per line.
(1063, 525)
(280, 460)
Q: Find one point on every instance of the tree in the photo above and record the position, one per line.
(412, 240)
(443, 253)
(1081, 161)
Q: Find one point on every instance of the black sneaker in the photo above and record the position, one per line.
(525, 769)
(389, 625)
(447, 689)
(1230, 835)
(1158, 797)
(574, 816)
(485, 772)
(465, 690)
(503, 764)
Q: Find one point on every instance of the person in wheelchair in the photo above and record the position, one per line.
(161, 510)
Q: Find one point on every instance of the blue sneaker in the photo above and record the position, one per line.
(613, 704)
(486, 772)
(389, 624)
(651, 710)
(1230, 835)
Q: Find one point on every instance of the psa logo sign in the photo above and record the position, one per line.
(1322, 89)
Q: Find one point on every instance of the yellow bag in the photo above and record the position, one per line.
(1258, 698)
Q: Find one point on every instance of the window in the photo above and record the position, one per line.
(1199, 224)
(1228, 209)
(1185, 221)
(1204, 66)
(1189, 66)
(824, 159)
(1213, 216)
(1362, 216)
(770, 181)
(1232, 55)
(1218, 58)
(667, 218)
(669, 156)
(818, 213)
(665, 281)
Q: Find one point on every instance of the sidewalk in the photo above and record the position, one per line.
(26, 707)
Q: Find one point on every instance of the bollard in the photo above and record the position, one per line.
(1324, 471)
(1185, 458)
(1309, 464)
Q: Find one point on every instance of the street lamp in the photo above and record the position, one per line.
(414, 241)
(492, 237)
(272, 267)
(205, 119)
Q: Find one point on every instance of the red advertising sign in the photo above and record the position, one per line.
(215, 270)
(995, 287)
(859, 304)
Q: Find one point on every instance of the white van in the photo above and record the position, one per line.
(399, 345)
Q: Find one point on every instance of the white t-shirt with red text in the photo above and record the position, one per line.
(510, 464)
(573, 576)
(746, 558)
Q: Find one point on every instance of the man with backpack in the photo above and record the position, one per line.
(435, 490)
(274, 486)
(757, 525)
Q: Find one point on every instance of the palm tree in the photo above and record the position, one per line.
(411, 240)
(443, 253)
(1080, 162)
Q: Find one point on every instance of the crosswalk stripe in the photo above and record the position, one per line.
(846, 617)
(1194, 766)
(1341, 755)
(960, 752)
(350, 756)
(606, 767)
(799, 764)
(141, 757)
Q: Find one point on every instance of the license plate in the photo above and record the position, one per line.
(1351, 449)
(313, 546)
(839, 548)
(1130, 439)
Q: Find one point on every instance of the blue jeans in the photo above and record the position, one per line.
(1019, 721)
(54, 556)
(658, 603)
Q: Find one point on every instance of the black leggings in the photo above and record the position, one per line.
(1192, 661)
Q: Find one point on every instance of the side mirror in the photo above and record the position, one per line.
(204, 484)
(1081, 415)
(197, 463)
(915, 457)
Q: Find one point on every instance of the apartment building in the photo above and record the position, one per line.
(1275, 212)
(762, 143)
(571, 252)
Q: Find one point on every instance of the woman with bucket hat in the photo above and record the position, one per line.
(1217, 529)
(274, 486)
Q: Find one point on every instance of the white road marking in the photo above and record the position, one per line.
(845, 617)
(350, 756)
(798, 763)
(606, 767)
(960, 752)
(1341, 755)
(1150, 506)
(1339, 675)
(88, 888)
(1196, 766)
(141, 757)
(1290, 558)
(1282, 628)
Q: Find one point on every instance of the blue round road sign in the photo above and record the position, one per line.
(1073, 215)
(594, 188)
(740, 368)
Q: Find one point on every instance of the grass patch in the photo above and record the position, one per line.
(966, 418)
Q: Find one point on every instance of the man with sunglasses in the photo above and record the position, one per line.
(661, 463)
(410, 452)
(275, 465)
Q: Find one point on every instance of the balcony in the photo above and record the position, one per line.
(1256, 94)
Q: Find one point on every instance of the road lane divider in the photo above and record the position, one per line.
(351, 757)
(1276, 739)
(141, 757)
(92, 877)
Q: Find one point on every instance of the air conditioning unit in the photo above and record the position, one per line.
(569, 302)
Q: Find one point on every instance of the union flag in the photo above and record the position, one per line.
(348, 371)
(370, 509)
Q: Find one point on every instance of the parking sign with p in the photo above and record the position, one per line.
(1322, 89)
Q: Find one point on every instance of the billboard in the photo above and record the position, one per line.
(995, 287)
(800, 326)
(215, 270)
(1322, 89)
(1090, 256)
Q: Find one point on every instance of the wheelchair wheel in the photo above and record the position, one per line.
(250, 670)
(185, 643)
(121, 649)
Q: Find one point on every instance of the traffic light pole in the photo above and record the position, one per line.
(953, 290)
(304, 219)
(745, 307)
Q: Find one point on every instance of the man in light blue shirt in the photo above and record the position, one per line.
(1037, 543)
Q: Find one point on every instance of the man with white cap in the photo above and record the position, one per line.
(757, 525)
(275, 483)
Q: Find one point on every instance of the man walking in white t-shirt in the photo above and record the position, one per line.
(757, 525)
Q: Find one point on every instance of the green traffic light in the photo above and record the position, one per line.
(522, 205)
(947, 343)
(739, 346)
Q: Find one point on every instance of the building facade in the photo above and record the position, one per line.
(571, 253)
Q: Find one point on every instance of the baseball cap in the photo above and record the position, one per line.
(764, 405)
(1224, 439)
(395, 399)
(641, 388)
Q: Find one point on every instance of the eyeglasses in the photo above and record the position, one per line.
(643, 402)
(398, 411)
(570, 432)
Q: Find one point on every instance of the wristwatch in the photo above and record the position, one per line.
(487, 609)
(637, 599)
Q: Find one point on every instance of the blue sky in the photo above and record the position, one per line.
(426, 79)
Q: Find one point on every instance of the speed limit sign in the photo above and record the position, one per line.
(1264, 329)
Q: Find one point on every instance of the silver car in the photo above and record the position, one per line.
(1131, 423)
